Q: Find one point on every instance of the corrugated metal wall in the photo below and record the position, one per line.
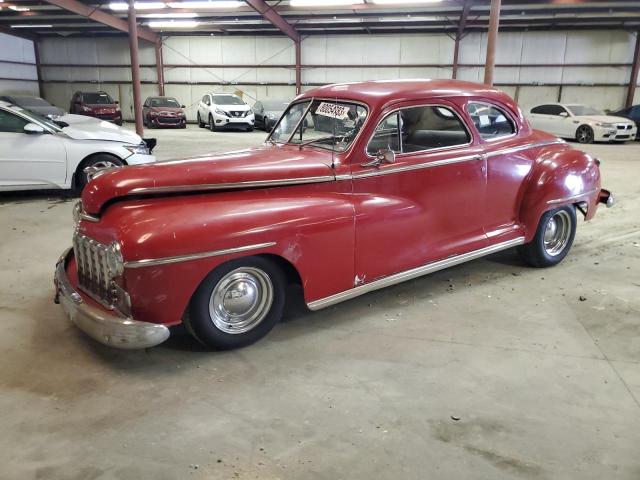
(262, 66)
(17, 61)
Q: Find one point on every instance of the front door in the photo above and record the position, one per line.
(425, 206)
(29, 160)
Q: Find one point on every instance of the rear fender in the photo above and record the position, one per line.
(561, 176)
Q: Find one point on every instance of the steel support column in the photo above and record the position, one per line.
(458, 37)
(135, 68)
(36, 54)
(160, 67)
(633, 80)
(492, 37)
(298, 69)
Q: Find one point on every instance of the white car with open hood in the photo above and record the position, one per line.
(39, 153)
(581, 123)
(224, 110)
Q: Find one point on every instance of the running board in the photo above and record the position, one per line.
(411, 274)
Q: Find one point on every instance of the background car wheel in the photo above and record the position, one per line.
(101, 160)
(584, 134)
(553, 239)
(212, 124)
(250, 129)
(237, 303)
(200, 122)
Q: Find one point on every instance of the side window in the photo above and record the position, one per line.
(416, 129)
(386, 136)
(541, 109)
(556, 110)
(11, 123)
(490, 121)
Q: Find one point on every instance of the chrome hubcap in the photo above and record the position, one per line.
(557, 233)
(241, 300)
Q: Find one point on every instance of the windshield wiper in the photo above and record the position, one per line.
(309, 142)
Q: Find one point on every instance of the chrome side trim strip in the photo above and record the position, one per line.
(413, 273)
(419, 166)
(152, 262)
(90, 218)
(232, 186)
(572, 197)
(506, 151)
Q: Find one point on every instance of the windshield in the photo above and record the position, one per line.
(97, 98)
(164, 102)
(582, 110)
(39, 118)
(31, 102)
(275, 105)
(227, 100)
(326, 124)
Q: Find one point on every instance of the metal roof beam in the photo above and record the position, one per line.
(274, 17)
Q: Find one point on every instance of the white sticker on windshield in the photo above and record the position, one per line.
(332, 110)
(484, 120)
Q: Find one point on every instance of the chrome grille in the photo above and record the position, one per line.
(93, 271)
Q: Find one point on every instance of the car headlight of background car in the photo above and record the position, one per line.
(605, 125)
(141, 149)
(221, 112)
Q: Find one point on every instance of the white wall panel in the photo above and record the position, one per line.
(543, 47)
(599, 97)
(19, 87)
(531, 96)
(16, 49)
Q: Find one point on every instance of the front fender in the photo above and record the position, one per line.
(311, 227)
(561, 176)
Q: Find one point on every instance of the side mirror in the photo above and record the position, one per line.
(182, 106)
(116, 102)
(384, 155)
(564, 114)
(33, 128)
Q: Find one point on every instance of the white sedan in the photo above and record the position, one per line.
(581, 123)
(222, 110)
(37, 153)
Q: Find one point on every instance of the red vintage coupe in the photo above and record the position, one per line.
(359, 186)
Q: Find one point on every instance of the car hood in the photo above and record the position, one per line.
(166, 109)
(236, 108)
(602, 118)
(267, 166)
(98, 130)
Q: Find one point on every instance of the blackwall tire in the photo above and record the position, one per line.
(584, 134)
(199, 120)
(212, 124)
(237, 304)
(553, 240)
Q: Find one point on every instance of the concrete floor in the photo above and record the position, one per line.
(490, 370)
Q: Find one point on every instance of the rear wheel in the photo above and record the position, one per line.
(584, 134)
(237, 304)
(553, 239)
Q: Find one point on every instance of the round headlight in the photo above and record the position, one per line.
(115, 262)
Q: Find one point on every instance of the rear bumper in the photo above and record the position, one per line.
(104, 326)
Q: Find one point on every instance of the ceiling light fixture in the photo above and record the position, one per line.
(16, 8)
(27, 25)
(174, 24)
(121, 6)
(169, 15)
(323, 3)
(399, 2)
(207, 4)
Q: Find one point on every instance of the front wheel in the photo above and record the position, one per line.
(584, 134)
(200, 122)
(553, 239)
(212, 124)
(97, 162)
(237, 304)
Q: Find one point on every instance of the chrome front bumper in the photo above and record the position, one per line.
(108, 328)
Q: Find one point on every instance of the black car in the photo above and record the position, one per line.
(267, 112)
(34, 104)
(632, 113)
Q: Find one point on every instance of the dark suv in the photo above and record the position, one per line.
(96, 104)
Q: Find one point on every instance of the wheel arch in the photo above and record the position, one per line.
(87, 159)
